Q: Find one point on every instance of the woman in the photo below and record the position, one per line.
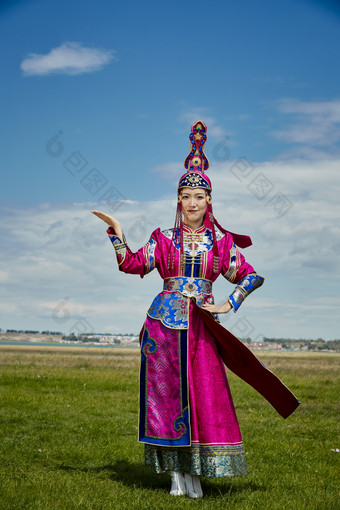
(187, 418)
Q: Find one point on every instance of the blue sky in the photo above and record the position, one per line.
(120, 84)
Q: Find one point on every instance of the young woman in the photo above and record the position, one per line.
(187, 417)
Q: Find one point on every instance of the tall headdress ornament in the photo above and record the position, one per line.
(196, 162)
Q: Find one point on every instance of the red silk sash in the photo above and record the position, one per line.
(240, 360)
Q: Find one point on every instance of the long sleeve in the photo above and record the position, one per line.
(237, 270)
(141, 262)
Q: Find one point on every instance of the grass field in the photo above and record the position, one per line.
(68, 429)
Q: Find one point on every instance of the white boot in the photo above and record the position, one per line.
(193, 484)
(178, 487)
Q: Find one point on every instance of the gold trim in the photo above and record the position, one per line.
(193, 231)
(166, 325)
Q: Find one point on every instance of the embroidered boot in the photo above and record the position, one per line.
(178, 487)
(193, 484)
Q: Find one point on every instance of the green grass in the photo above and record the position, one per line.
(68, 437)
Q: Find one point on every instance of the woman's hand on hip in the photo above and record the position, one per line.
(225, 308)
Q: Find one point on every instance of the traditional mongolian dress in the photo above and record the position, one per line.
(187, 416)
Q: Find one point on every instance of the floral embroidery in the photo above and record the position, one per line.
(234, 264)
(210, 461)
(149, 255)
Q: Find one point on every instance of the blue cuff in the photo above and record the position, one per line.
(118, 245)
(245, 287)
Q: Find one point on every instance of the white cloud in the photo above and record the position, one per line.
(68, 58)
(62, 255)
(3, 276)
(304, 236)
(316, 124)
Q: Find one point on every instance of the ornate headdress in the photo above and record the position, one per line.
(196, 163)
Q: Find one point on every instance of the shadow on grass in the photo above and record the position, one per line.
(137, 475)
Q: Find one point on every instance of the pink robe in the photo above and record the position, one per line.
(185, 400)
(187, 418)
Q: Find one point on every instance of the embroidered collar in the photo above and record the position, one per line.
(199, 230)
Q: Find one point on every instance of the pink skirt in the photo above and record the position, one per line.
(212, 440)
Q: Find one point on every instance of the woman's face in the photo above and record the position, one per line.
(194, 206)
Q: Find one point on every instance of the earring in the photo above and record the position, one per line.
(209, 199)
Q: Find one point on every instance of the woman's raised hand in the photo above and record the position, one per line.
(112, 222)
